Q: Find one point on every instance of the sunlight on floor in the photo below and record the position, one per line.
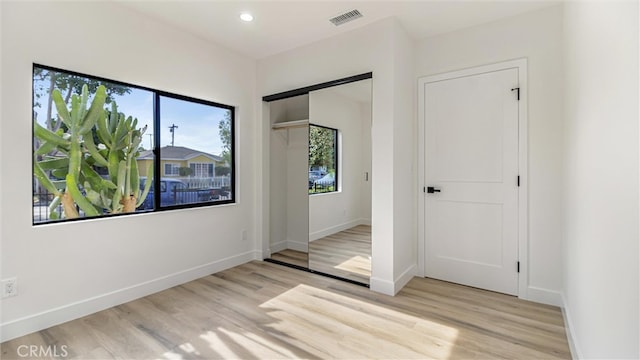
(221, 346)
(227, 344)
(186, 347)
(306, 312)
(306, 317)
(251, 339)
(357, 265)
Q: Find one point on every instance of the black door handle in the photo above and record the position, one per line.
(431, 190)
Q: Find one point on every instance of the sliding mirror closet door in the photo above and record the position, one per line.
(289, 199)
(340, 181)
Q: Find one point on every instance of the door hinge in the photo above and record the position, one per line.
(518, 266)
(517, 90)
(518, 180)
(424, 189)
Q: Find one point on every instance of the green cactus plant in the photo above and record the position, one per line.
(121, 140)
(76, 154)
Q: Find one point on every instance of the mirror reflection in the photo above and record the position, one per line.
(320, 180)
(340, 181)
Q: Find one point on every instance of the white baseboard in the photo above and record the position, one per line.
(393, 287)
(405, 277)
(36, 322)
(288, 244)
(336, 229)
(568, 325)
(381, 286)
(544, 296)
(279, 246)
(298, 246)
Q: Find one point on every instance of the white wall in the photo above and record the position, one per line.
(289, 154)
(297, 189)
(368, 49)
(71, 269)
(405, 176)
(336, 211)
(535, 36)
(2, 171)
(601, 178)
(278, 205)
(366, 152)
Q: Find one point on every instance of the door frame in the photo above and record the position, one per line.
(523, 200)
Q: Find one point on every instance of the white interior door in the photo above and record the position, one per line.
(471, 155)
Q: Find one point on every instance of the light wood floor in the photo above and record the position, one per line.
(346, 254)
(263, 310)
(298, 258)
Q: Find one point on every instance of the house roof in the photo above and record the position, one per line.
(177, 153)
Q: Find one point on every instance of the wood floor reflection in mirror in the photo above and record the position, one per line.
(293, 257)
(346, 254)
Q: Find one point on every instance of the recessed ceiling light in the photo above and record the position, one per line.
(246, 17)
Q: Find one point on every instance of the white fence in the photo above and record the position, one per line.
(217, 182)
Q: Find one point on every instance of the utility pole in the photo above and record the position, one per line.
(150, 141)
(172, 128)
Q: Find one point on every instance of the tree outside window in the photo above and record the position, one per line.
(323, 159)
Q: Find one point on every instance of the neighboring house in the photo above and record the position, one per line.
(202, 164)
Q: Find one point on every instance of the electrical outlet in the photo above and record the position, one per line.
(244, 235)
(9, 287)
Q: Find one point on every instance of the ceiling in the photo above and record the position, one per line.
(283, 25)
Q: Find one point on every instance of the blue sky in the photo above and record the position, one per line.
(197, 123)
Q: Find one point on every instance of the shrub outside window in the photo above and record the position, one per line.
(101, 147)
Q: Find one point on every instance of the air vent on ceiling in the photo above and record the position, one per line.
(346, 17)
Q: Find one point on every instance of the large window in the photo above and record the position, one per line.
(323, 159)
(101, 147)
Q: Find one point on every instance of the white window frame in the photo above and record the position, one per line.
(174, 167)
